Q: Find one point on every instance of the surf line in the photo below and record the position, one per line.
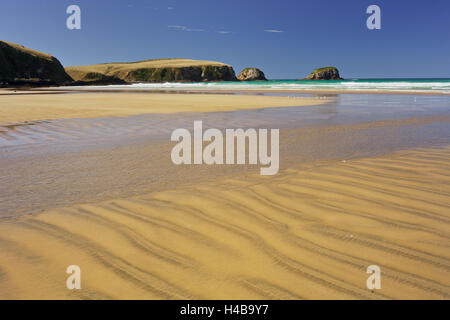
(235, 142)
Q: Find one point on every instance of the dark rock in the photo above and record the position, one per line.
(97, 79)
(252, 74)
(327, 73)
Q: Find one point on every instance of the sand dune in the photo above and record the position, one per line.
(309, 232)
(32, 107)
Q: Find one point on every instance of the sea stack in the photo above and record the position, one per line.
(252, 74)
(327, 73)
(24, 66)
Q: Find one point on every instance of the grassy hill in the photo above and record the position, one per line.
(19, 64)
(156, 70)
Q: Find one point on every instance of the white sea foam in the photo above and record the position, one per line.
(353, 85)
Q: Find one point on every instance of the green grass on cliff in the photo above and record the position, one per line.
(20, 63)
(157, 70)
(324, 69)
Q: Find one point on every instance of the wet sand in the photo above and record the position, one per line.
(308, 233)
(66, 162)
(363, 180)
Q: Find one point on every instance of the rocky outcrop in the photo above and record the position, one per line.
(252, 74)
(96, 79)
(24, 66)
(182, 74)
(162, 70)
(327, 73)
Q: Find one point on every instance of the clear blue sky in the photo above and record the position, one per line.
(414, 40)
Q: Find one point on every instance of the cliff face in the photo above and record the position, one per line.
(328, 73)
(182, 74)
(96, 79)
(165, 70)
(20, 65)
(252, 74)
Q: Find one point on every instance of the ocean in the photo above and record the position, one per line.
(392, 85)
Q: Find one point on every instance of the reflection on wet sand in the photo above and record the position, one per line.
(363, 180)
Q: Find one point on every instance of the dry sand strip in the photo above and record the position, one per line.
(33, 107)
(306, 233)
(15, 92)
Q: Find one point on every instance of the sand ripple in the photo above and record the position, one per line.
(305, 234)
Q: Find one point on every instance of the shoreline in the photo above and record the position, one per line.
(231, 91)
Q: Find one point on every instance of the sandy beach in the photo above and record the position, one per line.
(24, 106)
(215, 159)
(357, 187)
(308, 233)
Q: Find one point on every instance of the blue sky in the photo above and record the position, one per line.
(414, 40)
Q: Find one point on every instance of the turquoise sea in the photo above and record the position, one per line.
(395, 85)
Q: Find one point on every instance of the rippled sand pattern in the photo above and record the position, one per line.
(306, 233)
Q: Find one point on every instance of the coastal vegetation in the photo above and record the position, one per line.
(155, 70)
(20, 66)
